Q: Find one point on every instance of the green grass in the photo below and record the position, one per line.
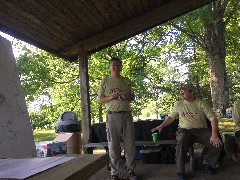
(44, 135)
(226, 124)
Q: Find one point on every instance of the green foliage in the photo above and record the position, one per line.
(190, 40)
(233, 54)
(44, 75)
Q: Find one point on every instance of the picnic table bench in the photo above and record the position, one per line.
(143, 134)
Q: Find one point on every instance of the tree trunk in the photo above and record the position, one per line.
(85, 98)
(214, 42)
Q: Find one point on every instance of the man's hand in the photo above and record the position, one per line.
(124, 96)
(114, 96)
(158, 128)
(237, 124)
(128, 97)
(106, 99)
(165, 123)
(215, 141)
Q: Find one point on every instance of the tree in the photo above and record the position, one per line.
(213, 19)
(45, 75)
(144, 63)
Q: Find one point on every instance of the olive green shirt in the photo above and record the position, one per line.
(192, 114)
(121, 85)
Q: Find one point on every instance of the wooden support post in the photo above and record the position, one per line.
(85, 98)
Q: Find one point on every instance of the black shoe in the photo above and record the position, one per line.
(131, 176)
(114, 177)
(209, 169)
(234, 157)
(193, 163)
(180, 176)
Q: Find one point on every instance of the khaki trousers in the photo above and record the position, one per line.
(186, 137)
(120, 127)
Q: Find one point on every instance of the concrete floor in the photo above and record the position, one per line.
(230, 170)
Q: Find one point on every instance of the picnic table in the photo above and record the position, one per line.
(70, 167)
(143, 134)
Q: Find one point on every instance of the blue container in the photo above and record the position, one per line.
(138, 155)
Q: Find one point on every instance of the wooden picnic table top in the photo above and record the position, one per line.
(81, 166)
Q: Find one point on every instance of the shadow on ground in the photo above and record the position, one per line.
(230, 170)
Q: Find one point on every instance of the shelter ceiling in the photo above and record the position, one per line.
(66, 27)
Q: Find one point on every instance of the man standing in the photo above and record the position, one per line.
(116, 93)
(192, 113)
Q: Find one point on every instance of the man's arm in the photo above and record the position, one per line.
(215, 140)
(169, 119)
(214, 124)
(106, 99)
(237, 124)
(128, 97)
(165, 123)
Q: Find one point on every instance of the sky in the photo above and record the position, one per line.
(16, 50)
(10, 38)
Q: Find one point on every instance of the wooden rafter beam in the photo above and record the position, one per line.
(134, 26)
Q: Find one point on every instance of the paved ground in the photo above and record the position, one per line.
(229, 171)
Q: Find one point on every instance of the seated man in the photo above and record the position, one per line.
(231, 141)
(192, 113)
(229, 112)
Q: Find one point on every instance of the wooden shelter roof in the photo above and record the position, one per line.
(65, 27)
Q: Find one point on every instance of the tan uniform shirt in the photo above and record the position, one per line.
(121, 85)
(192, 114)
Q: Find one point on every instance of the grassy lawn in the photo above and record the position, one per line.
(226, 125)
(44, 135)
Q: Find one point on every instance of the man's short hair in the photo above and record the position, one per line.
(189, 87)
(115, 59)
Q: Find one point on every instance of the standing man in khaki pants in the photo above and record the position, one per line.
(116, 93)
